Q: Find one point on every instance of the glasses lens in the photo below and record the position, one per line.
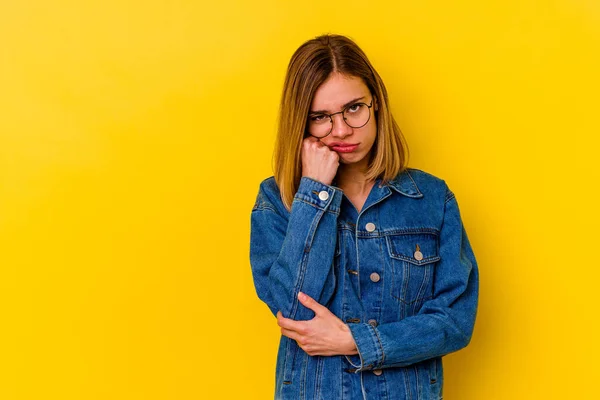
(319, 125)
(357, 115)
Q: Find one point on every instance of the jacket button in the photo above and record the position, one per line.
(370, 227)
(372, 322)
(375, 277)
(377, 372)
(323, 195)
(418, 255)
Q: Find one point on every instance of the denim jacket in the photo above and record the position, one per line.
(401, 274)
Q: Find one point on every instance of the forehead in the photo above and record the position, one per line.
(336, 91)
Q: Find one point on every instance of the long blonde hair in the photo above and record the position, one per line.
(310, 66)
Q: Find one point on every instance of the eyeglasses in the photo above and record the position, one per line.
(355, 115)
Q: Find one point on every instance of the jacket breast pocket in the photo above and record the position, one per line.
(412, 259)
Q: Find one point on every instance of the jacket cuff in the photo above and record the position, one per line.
(369, 346)
(319, 195)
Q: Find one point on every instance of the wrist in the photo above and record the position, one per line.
(319, 179)
(350, 348)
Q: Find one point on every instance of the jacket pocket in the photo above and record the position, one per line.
(412, 258)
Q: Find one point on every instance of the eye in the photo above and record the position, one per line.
(317, 118)
(354, 107)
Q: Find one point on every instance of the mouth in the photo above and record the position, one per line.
(344, 147)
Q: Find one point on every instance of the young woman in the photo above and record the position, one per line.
(364, 261)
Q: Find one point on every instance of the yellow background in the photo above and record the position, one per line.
(133, 137)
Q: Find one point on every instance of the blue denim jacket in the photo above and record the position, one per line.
(401, 274)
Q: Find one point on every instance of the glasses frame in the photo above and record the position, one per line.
(344, 118)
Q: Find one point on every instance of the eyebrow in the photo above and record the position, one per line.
(344, 106)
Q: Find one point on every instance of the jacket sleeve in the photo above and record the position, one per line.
(293, 251)
(445, 323)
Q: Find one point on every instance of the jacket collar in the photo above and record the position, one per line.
(404, 183)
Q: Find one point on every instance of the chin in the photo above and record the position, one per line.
(350, 158)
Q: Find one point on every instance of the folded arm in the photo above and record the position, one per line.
(293, 252)
(443, 324)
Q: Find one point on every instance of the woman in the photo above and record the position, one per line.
(364, 261)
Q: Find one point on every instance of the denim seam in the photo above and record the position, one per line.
(394, 232)
(304, 262)
(423, 286)
(374, 348)
(362, 360)
(332, 210)
(264, 207)
(380, 345)
(424, 261)
(414, 183)
(407, 390)
(314, 204)
(354, 365)
(319, 374)
(287, 359)
(419, 388)
(411, 231)
(303, 374)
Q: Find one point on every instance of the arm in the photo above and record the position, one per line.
(445, 323)
(293, 253)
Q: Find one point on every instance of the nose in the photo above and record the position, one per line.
(340, 127)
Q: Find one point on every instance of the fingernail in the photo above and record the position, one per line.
(301, 296)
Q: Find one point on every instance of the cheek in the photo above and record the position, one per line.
(370, 134)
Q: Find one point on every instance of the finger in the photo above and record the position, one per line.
(311, 303)
(283, 321)
(318, 144)
(291, 334)
(280, 318)
(289, 324)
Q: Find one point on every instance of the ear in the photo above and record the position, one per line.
(375, 103)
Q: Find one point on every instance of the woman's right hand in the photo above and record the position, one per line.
(318, 162)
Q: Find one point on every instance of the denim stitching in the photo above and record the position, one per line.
(332, 210)
(380, 344)
(304, 262)
(381, 297)
(424, 284)
(287, 359)
(405, 281)
(406, 383)
(362, 362)
(412, 231)
(264, 207)
(417, 379)
(414, 183)
(319, 376)
(304, 372)
(406, 270)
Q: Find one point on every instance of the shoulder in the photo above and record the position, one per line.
(423, 177)
(268, 196)
(268, 185)
(428, 183)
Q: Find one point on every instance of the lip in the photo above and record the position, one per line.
(343, 147)
(342, 144)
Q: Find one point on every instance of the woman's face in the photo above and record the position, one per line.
(353, 145)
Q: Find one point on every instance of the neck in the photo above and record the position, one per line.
(352, 178)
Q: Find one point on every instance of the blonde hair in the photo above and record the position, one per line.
(310, 66)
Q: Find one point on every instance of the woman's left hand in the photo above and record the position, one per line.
(324, 335)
